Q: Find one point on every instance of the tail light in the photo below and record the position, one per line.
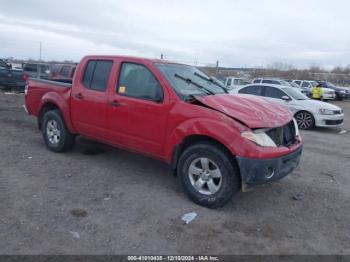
(26, 89)
(25, 77)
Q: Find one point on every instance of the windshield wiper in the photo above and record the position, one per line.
(211, 80)
(190, 98)
(190, 81)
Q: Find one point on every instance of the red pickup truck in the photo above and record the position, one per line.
(216, 143)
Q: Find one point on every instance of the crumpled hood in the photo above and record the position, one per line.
(253, 111)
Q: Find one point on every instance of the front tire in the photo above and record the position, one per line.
(305, 120)
(56, 136)
(208, 175)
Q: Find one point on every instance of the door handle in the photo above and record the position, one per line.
(115, 103)
(79, 96)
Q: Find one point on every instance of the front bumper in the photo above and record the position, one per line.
(329, 120)
(328, 96)
(13, 84)
(343, 95)
(260, 171)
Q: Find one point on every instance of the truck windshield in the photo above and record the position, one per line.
(188, 81)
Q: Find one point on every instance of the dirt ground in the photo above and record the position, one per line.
(109, 201)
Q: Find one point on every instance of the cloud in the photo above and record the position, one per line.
(237, 33)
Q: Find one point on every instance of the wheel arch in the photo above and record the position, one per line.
(52, 101)
(43, 110)
(194, 139)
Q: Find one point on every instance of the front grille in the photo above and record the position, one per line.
(283, 136)
(334, 122)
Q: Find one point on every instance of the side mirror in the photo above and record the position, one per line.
(286, 98)
(159, 96)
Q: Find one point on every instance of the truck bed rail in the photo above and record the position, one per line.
(62, 83)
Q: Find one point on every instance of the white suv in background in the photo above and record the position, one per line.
(328, 94)
(234, 82)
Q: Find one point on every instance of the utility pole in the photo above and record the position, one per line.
(39, 64)
(40, 50)
(217, 68)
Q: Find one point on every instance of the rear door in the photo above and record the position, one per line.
(138, 110)
(89, 99)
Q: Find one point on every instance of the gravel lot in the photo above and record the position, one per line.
(100, 200)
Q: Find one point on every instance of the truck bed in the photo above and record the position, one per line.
(41, 87)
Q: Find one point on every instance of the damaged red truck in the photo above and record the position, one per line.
(217, 143)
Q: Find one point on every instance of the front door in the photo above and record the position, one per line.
(138, 110)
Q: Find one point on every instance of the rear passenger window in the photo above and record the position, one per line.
(30, 68)
(229, 82)
(55, 69)
(96, 74)
(305, 84)
(137, 81)
(238, 82)
(251, 90)
(273, 82)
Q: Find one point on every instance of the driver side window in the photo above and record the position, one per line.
(137, 81)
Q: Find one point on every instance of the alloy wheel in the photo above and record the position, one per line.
(53, 132)
(205, 176)
(304, 120)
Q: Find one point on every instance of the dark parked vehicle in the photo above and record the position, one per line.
(340, 92)
(10, 77)
(35, 70)
(62, 72)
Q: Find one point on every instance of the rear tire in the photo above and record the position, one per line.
(208, 175)
(56, 136)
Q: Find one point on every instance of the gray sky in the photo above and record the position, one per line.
(237, 33)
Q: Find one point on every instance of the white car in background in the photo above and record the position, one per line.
(307, 112)
(328, 93)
